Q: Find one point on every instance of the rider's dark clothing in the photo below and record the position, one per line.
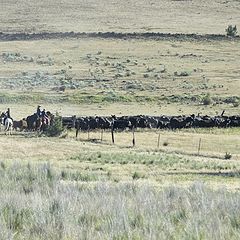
(8, 113)
(38, 111)
(43, 114)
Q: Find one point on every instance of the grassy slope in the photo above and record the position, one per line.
(35, 202)
(122, 16)
(93, 66)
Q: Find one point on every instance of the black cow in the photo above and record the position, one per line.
(81, 124)
(121, 124)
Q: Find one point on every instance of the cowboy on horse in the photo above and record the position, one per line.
(45, 119)
(7, 121)
(39, 111)
(6, 116)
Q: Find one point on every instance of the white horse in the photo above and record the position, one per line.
(7, 124)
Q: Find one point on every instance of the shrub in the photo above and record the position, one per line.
(136, 175)
(207, 100)
(181, 74)
(145, 75)
(228, 155)
(165, 143)
(236, 104)
(231, 30)
(56, 128)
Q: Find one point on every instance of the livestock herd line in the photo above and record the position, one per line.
(113, 123)
(90, 123)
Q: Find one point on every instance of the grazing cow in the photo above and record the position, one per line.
(92, 123)
(104, 123)
(69, 122)
(120, 124)
(205, 122)
(151, 121)
(143, 123)
(162, 124)
(235, 121)
(181, 122)
(81, 124)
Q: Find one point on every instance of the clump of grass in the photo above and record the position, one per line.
(231, 31)
(207, 100)
(236, 104)
(182, 74)
(3, 166)
(227, 155)
(137, 175)
(146, 75)
(165, 143)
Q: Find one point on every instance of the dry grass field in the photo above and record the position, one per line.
(142, 73)
(67, 188)
(186, 16)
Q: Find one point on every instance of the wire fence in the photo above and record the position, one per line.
(207, 144)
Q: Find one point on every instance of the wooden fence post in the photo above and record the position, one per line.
(112, 131)
(199, 145)
(133, 140)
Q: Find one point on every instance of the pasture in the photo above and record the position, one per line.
(63, 188)
(123, 16)
(174, 160)
(38, 202)
(173, 184)
(138, 77)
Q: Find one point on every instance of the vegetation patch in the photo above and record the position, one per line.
(61, 208)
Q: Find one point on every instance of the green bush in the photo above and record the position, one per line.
(56, 128)
(231, 30)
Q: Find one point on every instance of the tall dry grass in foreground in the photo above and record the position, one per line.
(37, 202)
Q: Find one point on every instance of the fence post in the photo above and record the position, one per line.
(199, 145)
(158, 140)
(133, 140)
(112, 131)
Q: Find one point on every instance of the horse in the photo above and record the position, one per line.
(7, 123)
(34, 122)
(8, 126)
(21, 124)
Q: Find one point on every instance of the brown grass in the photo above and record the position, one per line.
(122, 16)
(95, 156)
(213, 69)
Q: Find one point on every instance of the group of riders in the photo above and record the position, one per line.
(43, 115)
(40, 114)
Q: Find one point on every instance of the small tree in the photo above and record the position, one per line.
(231, 30)
(56, 128)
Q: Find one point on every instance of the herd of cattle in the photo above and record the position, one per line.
(143, 121)
(89, 123)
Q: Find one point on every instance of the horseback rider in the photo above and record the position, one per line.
(7, 115)
(44, 116)
(39, 111)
